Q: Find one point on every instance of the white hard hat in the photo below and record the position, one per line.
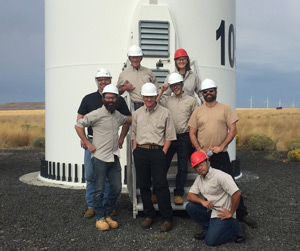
(103, 73)
(175, 78)
(149, 89)
(208, 83)
(110, 89)
(135, 51)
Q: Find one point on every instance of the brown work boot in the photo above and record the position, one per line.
(89, 213)
(166, 226)
(178, 200)
(146, 223)
(102, 225)
(154, 199)
(111, 222)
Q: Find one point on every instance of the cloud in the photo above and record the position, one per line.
(22, 50)
(267, 52)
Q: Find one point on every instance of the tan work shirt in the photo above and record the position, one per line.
(212, 124)
(191, 84)
(137, 77)
(216, 187)
(181, 109)
(105, 127)
(152, 127)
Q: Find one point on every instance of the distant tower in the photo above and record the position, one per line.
(251, 102)
(267, 101)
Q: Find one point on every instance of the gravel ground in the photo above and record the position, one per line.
(46, 218)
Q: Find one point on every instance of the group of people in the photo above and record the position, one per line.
(164, 122)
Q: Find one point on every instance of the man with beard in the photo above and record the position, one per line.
(90, 103)
(213, 127)
(105, 122)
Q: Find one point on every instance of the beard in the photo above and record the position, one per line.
(210, 97)
(110, 106)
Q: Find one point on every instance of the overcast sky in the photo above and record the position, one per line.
(267, 52)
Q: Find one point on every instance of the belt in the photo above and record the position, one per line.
(150, 146)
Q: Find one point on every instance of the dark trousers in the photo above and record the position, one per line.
(152, 164)
(222, 162)
(183, 147)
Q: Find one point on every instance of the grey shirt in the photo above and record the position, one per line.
(217, 187)
(105, 127)
(152, 127)
(181, 109)
(137, 77)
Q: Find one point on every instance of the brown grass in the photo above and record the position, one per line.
(280, 125)
(19, 127)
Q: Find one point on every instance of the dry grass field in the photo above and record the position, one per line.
(19, 127)
(281, 125)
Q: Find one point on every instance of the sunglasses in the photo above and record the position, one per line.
(208, 90)
(110, 98)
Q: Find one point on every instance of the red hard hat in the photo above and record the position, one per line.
(197, 157)
(180, 53)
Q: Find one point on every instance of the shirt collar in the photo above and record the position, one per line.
(209, 173)
(153, 110)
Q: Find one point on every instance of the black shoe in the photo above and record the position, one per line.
(249, 221)
(241, 237)
(200, 236)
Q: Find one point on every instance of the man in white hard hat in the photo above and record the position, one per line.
(133, 78)
(181, 107)
(105, 122)
(152, 132)
(89, 103)
(212, 128)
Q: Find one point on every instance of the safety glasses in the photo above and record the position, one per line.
(208, 90)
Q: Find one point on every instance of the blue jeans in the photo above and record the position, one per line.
(90, 179)
(112, 171)
(217, 231)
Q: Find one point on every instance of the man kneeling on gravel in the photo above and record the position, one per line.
(215, 210)
(105, 122)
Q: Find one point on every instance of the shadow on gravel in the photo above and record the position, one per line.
(47, 218)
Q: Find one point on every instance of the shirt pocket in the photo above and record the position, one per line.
(159, 126)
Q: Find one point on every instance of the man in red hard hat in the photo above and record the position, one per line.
(213, 200)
